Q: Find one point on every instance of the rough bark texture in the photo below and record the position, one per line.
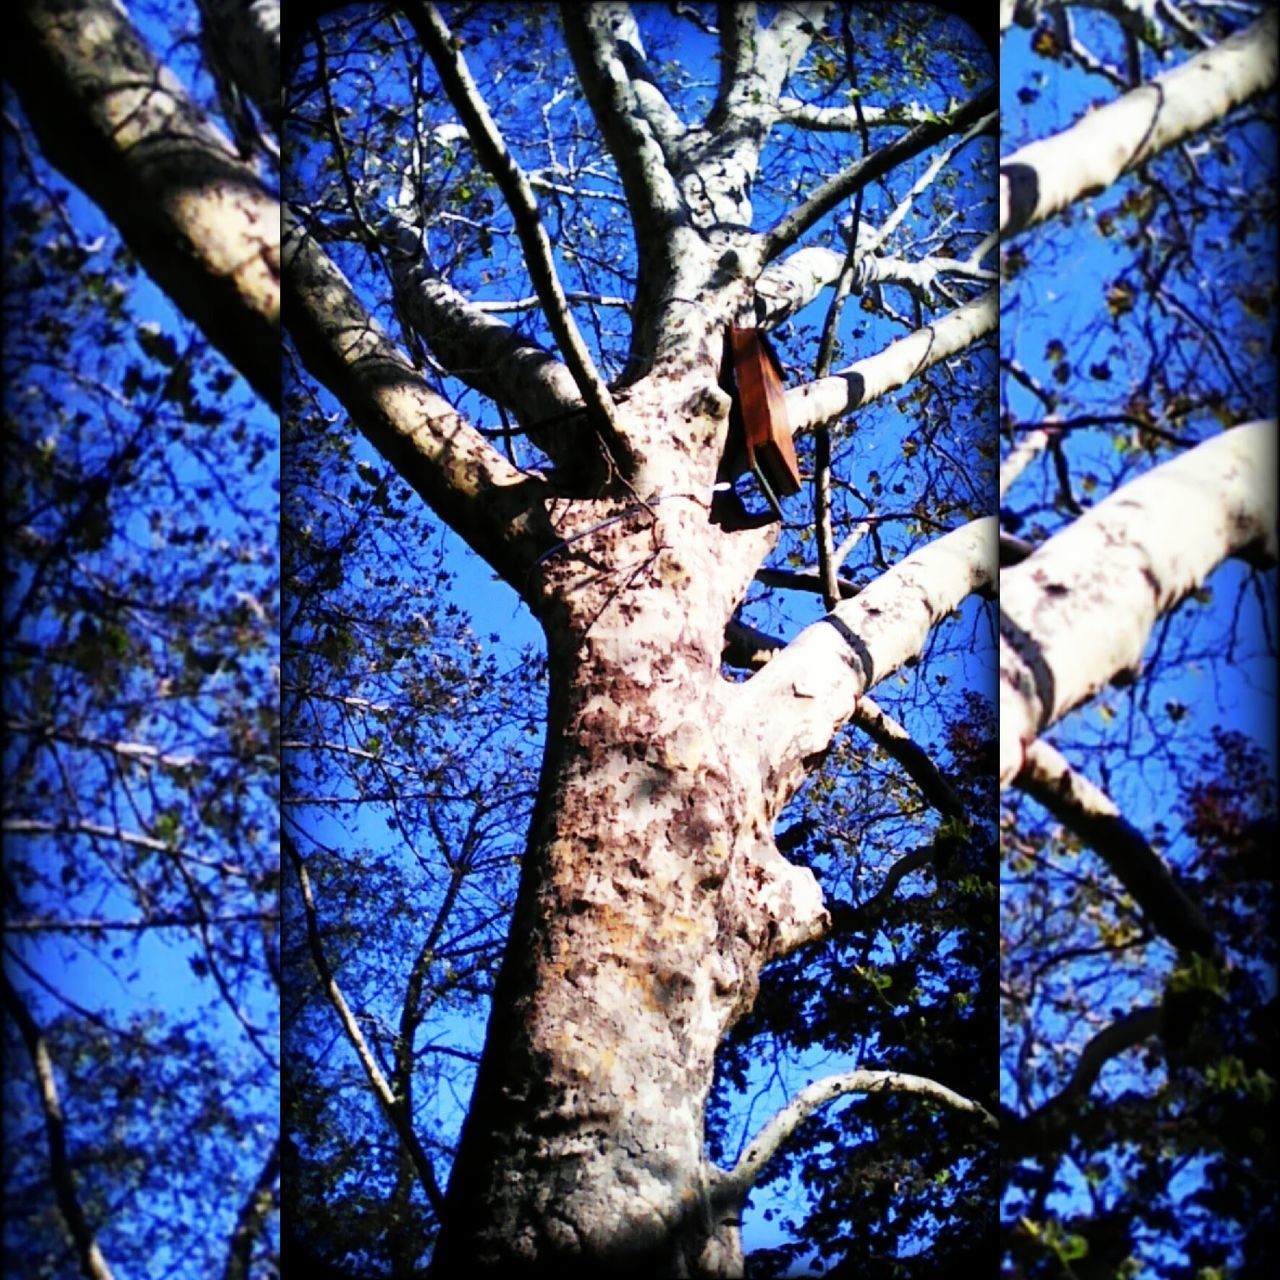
(652, 895)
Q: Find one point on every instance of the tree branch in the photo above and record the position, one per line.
(120, 126)
(1077, 613)
(866, 380)
(1091, 814)
(249, 38)
(492, 504)
(1054, 1120)
(804, 115)
(835, 190)
(1043, 178)
(392, 1106)
(652, 195)
(253, 1216)
(489, 355)
(886, 732)
(765, 1145)
(493, 153)
(790, 710)
(92, 1263)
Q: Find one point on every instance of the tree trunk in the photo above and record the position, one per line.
(652, 894)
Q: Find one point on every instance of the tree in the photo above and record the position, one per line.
(627, 184)
(140, 813)
(1138, 492)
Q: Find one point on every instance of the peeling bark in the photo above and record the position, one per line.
(653, 894)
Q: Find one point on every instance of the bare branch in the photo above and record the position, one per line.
(747, 648)
(392, 1106)
(793, 225)
(1077, 613)
(804, 579)
(886, 732)
(1030, 447)
(1093, 816)
(628, 47)
(867, 380)
(652, 194)
(1054, 1120)
(92, 1263)
(804, 115)
(738, 31)
(121, 127)
(493, 153)
(792, 707)
(1046, 176)
(494, 506)
(765, 1145)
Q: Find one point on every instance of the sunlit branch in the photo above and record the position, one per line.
(791, 283)
(1091, 814)
(805, 115)
(652, 195)
(93, 1265)
(781, 1126)
(1077, 614)
(1029, 447)
(393, 1107)
(812, 688)
(838, 189)
(120, 126)
(493, 505)
(136, 752)
(1046, 176)
(500, 306)
(867, 380)
(99, 830)
(493, 153)
(665, 125)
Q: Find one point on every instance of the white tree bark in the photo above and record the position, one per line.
(1041, 179)
(792, 708)
(492, 504)
(1078, 613)
(827, 399)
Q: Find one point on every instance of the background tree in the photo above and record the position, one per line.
(514, 240)
(140, 812)
(1138, 494)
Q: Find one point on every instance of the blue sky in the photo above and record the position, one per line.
(124, 975)
(1212, 663)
